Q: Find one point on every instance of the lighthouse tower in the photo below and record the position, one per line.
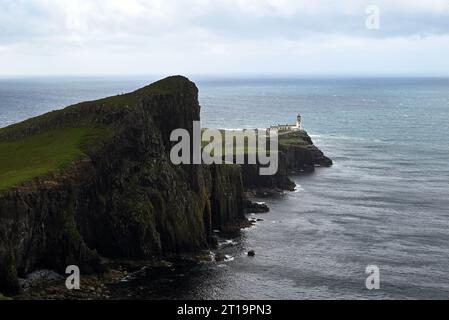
(298, 122)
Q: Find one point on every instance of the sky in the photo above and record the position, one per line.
(291, 37)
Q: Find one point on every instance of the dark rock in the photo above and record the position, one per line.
(252, 180)
(301, 154)
(297, 154)
(220, 257)
(251, 253)
(256, 207)
(214, 241)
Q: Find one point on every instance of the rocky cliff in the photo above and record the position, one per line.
(301, 155)
(297, 154)
(95, 179)
(123, 198)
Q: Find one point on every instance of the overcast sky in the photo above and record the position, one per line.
(301, 37)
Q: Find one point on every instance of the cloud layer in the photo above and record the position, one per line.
(222, 36)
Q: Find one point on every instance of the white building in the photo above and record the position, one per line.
(289, 127)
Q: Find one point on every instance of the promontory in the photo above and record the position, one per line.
(95, 180)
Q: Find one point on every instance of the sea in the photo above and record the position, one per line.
(384, 204)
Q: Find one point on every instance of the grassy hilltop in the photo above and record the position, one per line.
(286, 140)
(25, 159)
(29, 156)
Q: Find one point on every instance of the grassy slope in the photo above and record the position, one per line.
(25, 159)
(165, 86)
(216, 145)
(3, 298)
(292, 139)
(285, 140)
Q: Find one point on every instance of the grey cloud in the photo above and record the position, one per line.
(29, 20)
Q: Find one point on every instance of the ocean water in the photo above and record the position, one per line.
(384, 203)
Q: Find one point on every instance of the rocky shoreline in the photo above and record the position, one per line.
(125, 201)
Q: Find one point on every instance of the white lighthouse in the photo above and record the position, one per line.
(298, 122)
(288, 127)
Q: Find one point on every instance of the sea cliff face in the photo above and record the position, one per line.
(123, 198)
(297, 154)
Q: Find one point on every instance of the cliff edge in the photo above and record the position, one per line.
(297, 154)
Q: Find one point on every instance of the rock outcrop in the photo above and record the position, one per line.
(297, 154)
(301, 155)
(253, 181)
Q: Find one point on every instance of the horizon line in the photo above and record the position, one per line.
(248, 75)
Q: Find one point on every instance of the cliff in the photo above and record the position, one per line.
(96, 179)
(297, 153)
(301, 155)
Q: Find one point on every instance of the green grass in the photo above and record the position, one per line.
(292, 139)
(36, 155)
(25, 159)
(3, 298)
(165, 86)
(245, 150)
